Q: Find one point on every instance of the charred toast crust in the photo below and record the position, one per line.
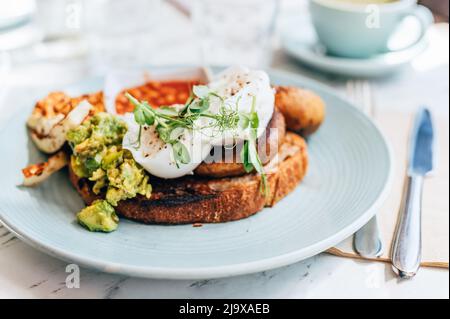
(203, 200)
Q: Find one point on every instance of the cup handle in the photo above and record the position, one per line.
(425, 18)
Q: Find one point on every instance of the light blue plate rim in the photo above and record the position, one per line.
(234, 269)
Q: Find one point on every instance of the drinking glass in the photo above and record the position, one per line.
(235, 31)
(120, 32)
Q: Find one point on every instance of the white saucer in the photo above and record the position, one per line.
(21, 36)
(306, 48)
(16, 13)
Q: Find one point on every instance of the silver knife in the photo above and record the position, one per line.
(407, 245)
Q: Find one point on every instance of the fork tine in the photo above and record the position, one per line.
(362, 96)
(359, 92)
(351, 91)
(368, 102)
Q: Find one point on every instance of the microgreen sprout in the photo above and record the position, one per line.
(171, 125)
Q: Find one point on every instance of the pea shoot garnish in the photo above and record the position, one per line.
(171, 124)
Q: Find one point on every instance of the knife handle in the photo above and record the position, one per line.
(407, 246)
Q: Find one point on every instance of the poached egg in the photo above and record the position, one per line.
(240, 88)
(156, 157)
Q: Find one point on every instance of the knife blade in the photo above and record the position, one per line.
(407, 247)
(421, 145)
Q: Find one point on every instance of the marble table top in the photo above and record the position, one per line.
(28, 273)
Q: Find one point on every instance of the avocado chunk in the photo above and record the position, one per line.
(100, 216)
(96, 144)
(98, 156)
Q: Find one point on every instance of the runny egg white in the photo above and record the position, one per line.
(156, 157)
(240, 89)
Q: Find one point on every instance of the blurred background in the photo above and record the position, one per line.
(57, 42)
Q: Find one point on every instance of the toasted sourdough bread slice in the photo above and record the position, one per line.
(195, 199)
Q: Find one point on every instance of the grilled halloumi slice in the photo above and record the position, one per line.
(37, 173)
(54, 115)
(49, 134)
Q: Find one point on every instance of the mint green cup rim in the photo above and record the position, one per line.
(360, 7)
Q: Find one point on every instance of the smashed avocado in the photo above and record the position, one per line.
(100, 216)
(99, 157)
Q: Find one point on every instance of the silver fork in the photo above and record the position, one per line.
(366, 241)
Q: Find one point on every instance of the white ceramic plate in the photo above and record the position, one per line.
(347, 180)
